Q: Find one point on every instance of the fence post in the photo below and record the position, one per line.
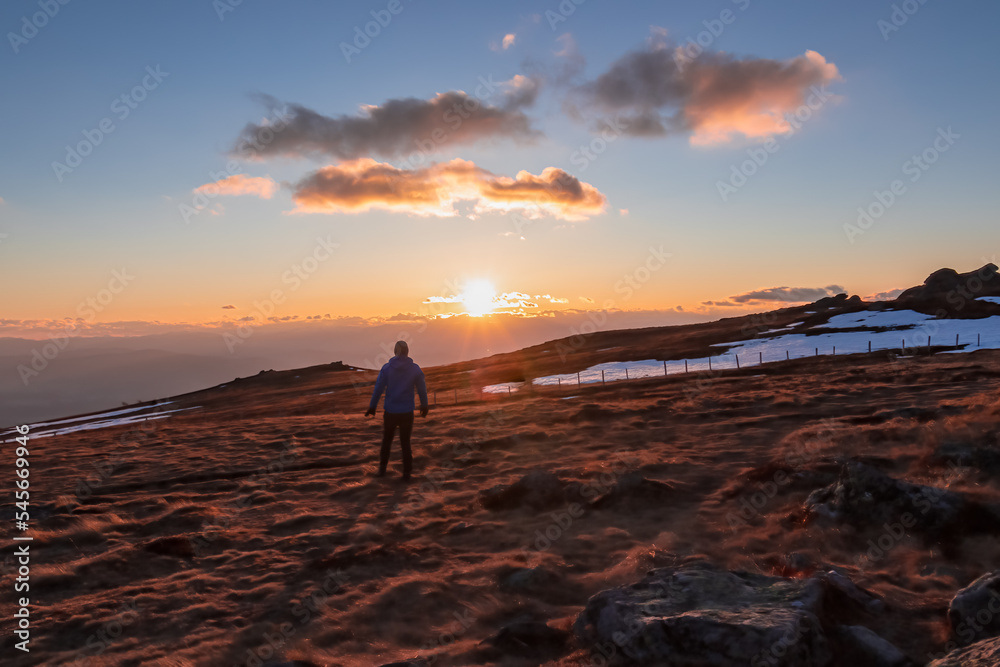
(787, 357)
(685, 365)
(664, 368)
(626, 372)
(508, 390)
(737, 361)
(834, 350)
(928, 343)
(817, 351)
(602, 378)
(761, 359)
(869, 346)
(710, 363)
(956, 340)
(559, 381)
(578, 377)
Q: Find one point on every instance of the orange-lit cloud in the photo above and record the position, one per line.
(508, 41)
(437, 190)
(714, 97)
(241, 184)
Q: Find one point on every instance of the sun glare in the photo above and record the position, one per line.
(478, 297)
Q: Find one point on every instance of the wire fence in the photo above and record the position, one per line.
(635, 370)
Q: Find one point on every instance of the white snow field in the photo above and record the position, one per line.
(96, 421)
(885, 330)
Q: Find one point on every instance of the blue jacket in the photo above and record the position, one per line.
(398, 379)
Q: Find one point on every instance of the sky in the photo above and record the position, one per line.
(177, 165)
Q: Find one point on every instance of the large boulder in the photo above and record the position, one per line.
(974, 612)
(697, 614)
(981, 654)
(861, 647)
(865, 496)
(952, 292)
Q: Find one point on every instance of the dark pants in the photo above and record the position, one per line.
(404, 420)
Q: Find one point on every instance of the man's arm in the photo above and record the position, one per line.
(422, 392)
(380, 383)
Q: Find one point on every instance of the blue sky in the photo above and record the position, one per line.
(783, 228)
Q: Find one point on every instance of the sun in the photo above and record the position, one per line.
(478, 297)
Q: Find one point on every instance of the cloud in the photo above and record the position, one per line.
(505, 43)
(241, 184)
(623, 212)
(2, 201)
(713, 97)
(721, 304)
(551, 299)
(436, 190)
(786, 294)
(400, 127)
(229, 307)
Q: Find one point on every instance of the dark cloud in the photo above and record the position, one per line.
(713, 96)
(787, 294)
(400, 127)
(229, 307)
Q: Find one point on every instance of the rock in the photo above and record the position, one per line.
(940, 288)
(697, 614)
(538, 490)
(530, 639)
(860, 647)
(866, 496)
(981, 654)
(634, 490)
(974, 612)
(839, 586)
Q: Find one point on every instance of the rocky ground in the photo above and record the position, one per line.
(829, 511)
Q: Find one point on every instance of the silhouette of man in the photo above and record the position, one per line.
(398, 379)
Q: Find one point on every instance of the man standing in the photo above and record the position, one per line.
(397, 379)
